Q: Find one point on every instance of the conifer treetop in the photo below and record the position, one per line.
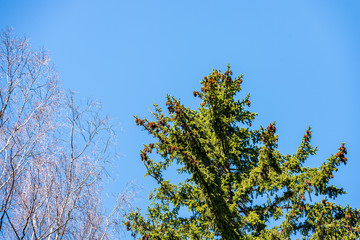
(236, 181)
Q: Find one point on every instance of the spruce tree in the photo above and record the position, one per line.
(236, 182)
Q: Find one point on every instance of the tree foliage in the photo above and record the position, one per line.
(237, 185)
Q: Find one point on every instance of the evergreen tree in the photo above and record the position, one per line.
(236, 181)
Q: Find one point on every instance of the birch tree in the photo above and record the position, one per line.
(53, 152)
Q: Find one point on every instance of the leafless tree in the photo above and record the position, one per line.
(53, 152)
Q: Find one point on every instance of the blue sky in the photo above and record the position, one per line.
(301, 61)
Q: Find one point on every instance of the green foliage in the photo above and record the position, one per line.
(236, 181)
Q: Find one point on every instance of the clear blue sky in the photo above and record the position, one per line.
(301, 61)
